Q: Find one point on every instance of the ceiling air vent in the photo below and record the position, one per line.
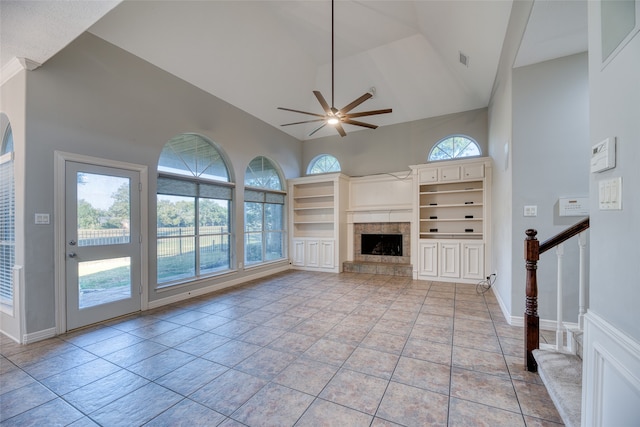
(464, 59)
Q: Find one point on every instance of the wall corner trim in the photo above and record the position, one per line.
(14, 66)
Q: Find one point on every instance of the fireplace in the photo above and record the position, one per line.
(381, 244)
(382, 247)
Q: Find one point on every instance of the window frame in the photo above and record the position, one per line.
(320, 157)
(265, 194)
(446, 138)
(8, 223)
(198, 189)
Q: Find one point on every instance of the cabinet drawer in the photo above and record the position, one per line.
(473, 171)
(451, 173)
(428, 175)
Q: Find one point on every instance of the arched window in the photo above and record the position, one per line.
(264, 196)
(7, 218)
(324, 163)
(454, 147)
(194, 210)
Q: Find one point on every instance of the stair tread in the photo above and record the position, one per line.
(561, 373)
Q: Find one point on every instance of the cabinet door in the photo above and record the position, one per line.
(428, 175)
(327, 254)
(312, 254)
(298, 253)
(473, 171)
(450, 173)
(428, 262)
(473, 261)
(450, 259)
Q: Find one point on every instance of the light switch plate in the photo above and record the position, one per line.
(610, 194)
(530, 210)
(42, 218)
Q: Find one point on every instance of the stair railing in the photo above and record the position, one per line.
(532, 251)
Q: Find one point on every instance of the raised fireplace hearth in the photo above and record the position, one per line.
(381, 248)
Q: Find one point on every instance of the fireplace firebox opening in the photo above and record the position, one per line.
(381, 244)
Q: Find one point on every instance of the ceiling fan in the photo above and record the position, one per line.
(332, 115)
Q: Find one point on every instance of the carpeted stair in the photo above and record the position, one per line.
(561, 373)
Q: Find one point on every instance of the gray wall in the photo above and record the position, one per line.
(550, 127)
(95, 99)
(500, 143)
(615, 111)
(393, 148)
(12, 105)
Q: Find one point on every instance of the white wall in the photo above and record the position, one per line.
(611, 392)
(500, 147)
(550, 127)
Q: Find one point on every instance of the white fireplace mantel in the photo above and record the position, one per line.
(378, 199)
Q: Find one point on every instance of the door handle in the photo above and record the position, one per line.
(72, 254)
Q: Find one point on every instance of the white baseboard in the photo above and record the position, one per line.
(38, 336)
(218, 286)
(545, 324)
(611, 375)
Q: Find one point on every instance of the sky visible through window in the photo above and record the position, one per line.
(454, 147)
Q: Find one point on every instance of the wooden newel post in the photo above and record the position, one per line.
(531, 319)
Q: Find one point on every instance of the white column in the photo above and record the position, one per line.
(559, 327)
(582, 279)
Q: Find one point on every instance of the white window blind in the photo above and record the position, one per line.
(7, 228)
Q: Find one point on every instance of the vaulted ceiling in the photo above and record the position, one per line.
(259, 55)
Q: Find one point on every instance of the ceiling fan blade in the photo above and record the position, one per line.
(317, 129)
(340, 129)
(302, 112)
(306, 121)
(368, 113)
(355, 103)
(357, 123)
(323, 102)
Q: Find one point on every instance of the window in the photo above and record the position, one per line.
(264, 233)
(454, 147)
(194, 210)
(324, 163)
(7, 220)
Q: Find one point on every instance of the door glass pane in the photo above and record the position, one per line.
(103, 281)
(104, 213)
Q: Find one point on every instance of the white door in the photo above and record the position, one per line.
(103, 243)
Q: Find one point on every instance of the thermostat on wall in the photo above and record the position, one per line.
(603, 155)
(573, 206)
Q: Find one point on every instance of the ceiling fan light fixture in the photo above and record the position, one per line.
(333, 116)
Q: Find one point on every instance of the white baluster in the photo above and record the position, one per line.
(559, 327)
(582, 279)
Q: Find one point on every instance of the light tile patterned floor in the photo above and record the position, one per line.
(297, 348)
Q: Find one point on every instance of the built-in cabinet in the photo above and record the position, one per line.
(317, 218)
(451, 212)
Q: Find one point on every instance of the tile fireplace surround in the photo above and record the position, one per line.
(381, 264)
